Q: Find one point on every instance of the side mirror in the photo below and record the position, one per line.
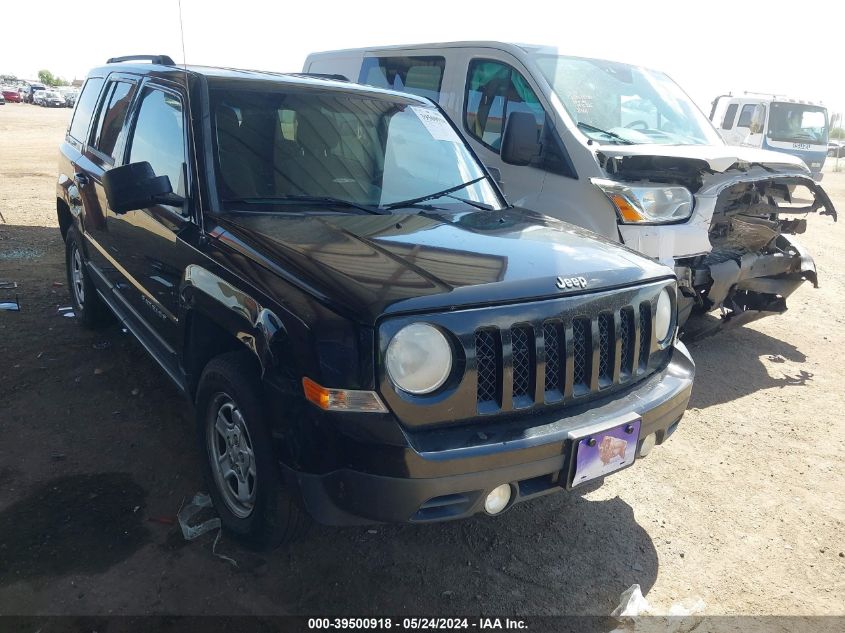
(135, 186)
(520, 140)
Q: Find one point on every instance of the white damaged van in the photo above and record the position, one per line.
(622, 151)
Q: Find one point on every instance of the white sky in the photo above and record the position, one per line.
(709, 48)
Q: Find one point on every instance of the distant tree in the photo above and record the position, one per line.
(46, 77)
(837, 132)
(834, 120)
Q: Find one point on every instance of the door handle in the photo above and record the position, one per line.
(81, 179)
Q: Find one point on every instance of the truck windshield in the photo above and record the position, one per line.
(370, 151)
(798, 123)
(632, 104)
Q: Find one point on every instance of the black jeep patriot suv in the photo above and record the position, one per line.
(367, 330)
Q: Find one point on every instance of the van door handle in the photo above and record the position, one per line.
(81, 179)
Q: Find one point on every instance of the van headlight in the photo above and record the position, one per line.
(637, 204)
(663, 317)
(418, 358)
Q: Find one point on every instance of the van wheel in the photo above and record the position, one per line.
(88, 306)
(245, 483)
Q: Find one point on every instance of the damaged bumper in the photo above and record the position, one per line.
(755, 263)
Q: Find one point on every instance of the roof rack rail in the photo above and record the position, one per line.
(162, 60)
(335, 77)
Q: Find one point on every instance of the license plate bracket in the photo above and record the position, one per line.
(604, 448)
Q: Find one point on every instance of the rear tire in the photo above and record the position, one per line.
(243, 477)
(89, 307)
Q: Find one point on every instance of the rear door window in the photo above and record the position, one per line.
(85, 108)
(422, 76)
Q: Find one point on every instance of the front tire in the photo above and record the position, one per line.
(244, 479)
(88, 306)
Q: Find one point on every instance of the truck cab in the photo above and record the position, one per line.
(795, 127)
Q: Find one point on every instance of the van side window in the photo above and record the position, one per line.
(113, 109)
(730, 115)
(85, 108)
(159, 136)
(493, 91)
(421, 76)
(746, 115)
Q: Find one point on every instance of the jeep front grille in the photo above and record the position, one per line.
(556, 359)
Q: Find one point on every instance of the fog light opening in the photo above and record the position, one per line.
(498, 499)
(648, 444)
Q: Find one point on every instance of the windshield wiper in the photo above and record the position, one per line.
(598, 130)
(436, 194)
(316, 200)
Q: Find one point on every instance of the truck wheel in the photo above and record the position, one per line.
(89, 308)
(243, 477)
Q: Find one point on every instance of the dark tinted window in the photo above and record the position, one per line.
(418, 75)
(113, 110)
(730, 115)
(494, 90)
(85, 108)
(159, 137)
(746, 115)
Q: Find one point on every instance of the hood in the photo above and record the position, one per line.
(718, 158)
(369, 266)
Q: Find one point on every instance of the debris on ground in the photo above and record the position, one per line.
(11, 306)
(102, 345)
(8, 285)
(199, 503)
(681, 617)
(66, 311)
(777, 358)
(57, 284)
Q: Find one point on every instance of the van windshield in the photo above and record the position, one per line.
(798, 123)
(274, 147)
(618, 103)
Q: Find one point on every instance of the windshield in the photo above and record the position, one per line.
(358, 149)
(52, 95)
(635, 105)
(797, 123)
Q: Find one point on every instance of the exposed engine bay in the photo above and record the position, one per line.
(754, 262)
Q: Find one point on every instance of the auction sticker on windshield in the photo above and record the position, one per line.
(601, 451)
(436, 124)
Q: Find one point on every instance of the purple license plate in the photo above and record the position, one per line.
(605, 450)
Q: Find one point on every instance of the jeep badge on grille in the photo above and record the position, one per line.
(567, 283)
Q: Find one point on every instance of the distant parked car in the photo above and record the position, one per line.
(836, 149)
(12, 96)
(52, 99)
(37, 96)
(29, 95)
(2, 99)
(70, 95)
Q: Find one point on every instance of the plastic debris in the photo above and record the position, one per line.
(680, 617)
(222, 556)
(11, 306)
(186, 513)
(66, 311)
(57, 284)
(8, 285)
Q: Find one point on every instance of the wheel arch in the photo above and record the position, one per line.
(218, 317)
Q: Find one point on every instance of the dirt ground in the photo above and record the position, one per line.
(743, 507)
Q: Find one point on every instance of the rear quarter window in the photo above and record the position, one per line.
(85, 108)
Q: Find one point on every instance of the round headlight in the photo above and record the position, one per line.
(419, 358)
(663, 316)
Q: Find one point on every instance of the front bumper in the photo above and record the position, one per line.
(451, 471)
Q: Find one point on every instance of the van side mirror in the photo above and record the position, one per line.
(520, 142)
(135, 186)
